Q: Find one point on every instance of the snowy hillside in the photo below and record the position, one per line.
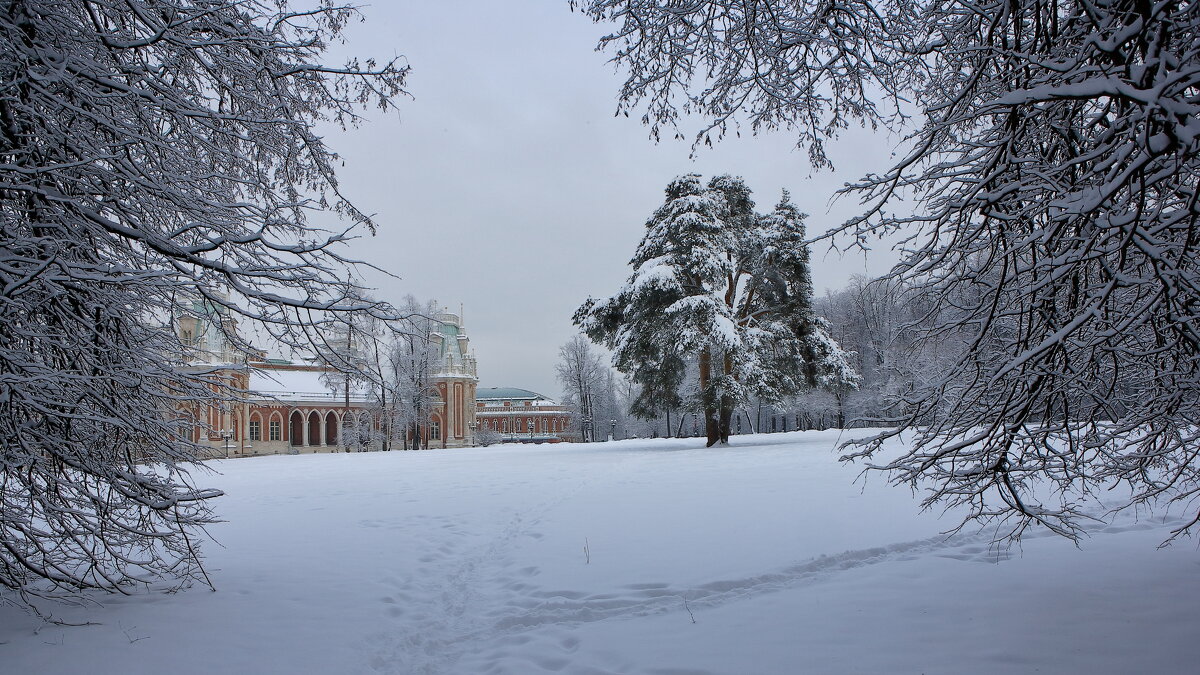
(656, 557)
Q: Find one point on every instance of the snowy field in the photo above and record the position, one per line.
(763, 557)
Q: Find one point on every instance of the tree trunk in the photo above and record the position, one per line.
(417, 427)
(345, 416)
(386, 429)
(711, 426)
(725, 420)
(726, 412)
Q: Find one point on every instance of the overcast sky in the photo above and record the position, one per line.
(507, 186)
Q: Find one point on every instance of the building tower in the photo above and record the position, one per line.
(452, 424)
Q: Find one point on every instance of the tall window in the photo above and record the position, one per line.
(255, 430)
(435, 430)
(276, 430)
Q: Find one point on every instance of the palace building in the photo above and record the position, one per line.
(286, 408)
(520, 415)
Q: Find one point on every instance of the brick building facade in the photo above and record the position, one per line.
(290, 408)
(520, 415)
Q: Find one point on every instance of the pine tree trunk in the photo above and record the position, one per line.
(726, 413)
(711, 430)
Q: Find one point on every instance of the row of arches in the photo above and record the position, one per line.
(318, 428)
(322, 429)
(511, 424)
(314, 428)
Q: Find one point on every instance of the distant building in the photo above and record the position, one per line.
(520, 415)
(288, 407)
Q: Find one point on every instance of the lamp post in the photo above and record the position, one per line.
(471, 426)
(612, 431)
(225, 436)
(531, 429)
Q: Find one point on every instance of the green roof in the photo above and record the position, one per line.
(449, 344)
(506, 393)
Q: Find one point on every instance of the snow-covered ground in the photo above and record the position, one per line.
(763, 557)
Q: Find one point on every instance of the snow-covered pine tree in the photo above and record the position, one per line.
(714, 281)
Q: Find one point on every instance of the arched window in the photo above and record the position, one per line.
(255, 428)
(296, 428)
(314, 428)
(275, 428)
(363, 437)
(459, 411)
(331, 428)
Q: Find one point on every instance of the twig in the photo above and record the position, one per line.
(130, 637)
(689, 610)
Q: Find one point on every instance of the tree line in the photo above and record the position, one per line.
(877, 323)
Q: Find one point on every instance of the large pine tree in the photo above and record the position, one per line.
(714, 281)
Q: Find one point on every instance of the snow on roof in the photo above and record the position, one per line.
(507, 393)
(299, 385)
